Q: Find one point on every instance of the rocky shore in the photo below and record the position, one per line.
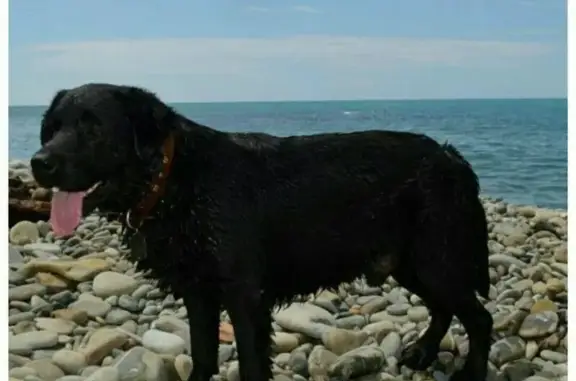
(26, 201)
(78, 311)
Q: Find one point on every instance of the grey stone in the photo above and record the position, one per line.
(117, 316)
(340, 341)
(71, 362)
(14, 256)
(505, 260)
(92, 305)
(25, 343)
(507, 349)
(141, 364)
(539, 324)
(398, 309)
(110, 283)
(25, 292)
(106, 373)
(391, 345)
(305, 318)
(358, 362)
(555, 357)
(319, 362)
(163, 342)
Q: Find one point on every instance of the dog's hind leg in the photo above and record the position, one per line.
(448, 293)
(421, 354)
(203, 308)
(250, 314)
(449, 251)
(478, 324)
(449, 258)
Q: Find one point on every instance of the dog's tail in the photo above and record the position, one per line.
(465, 189)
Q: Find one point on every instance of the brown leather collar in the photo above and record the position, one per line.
(136, 216)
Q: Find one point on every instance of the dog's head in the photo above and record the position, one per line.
(103, 142)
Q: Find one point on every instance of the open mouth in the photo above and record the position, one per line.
(86, 193)
(66, 209)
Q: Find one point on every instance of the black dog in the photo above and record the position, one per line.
(250, 221)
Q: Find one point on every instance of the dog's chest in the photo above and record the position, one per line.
(176, 260)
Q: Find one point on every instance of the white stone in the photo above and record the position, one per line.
(163, 342)
(24, 232)
(71, 362)
(110, 283)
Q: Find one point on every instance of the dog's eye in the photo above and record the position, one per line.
(48, 130)
(88, 116)
(89, 122)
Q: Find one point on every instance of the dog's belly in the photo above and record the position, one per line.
(305, 265)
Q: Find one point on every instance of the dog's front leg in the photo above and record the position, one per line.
(203, 308)
(251, 318)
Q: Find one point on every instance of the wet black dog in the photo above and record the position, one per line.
(245, 221)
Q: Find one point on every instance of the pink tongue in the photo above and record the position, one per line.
(66, 212)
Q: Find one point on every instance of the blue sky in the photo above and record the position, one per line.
(240, 50)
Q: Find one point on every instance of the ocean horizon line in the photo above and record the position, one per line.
(392, 100)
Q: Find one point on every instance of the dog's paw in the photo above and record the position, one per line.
(464, 375)
(418, 356)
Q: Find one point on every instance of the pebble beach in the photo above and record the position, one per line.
(79, 311)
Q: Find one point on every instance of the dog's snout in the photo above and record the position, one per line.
(43, 164)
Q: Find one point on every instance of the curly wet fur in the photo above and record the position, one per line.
(250, 221)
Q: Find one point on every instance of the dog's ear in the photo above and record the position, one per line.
(151, 133)
(48, 125)
(150, 119)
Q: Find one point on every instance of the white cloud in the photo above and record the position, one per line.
(305, 9)
(297, 67)
(238, 55)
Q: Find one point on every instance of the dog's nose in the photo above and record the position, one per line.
(43, 164)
